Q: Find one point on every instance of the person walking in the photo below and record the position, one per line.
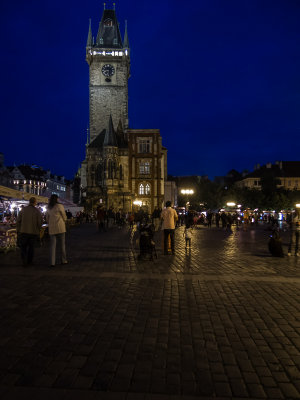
(188, 236)
(209, 216)
(29, 223)
(169, 217)
(224, 220)
(218, 219)
(56, 219)
(295, 233)
(101, 215)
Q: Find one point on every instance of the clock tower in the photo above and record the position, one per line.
(109, 69)
(123, 168)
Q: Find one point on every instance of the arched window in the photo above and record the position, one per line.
(147, 189)
(121, 171)
(141, 189)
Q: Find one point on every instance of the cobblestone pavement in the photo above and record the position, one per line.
(219, 321)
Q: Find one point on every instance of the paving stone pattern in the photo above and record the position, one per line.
(220, 320)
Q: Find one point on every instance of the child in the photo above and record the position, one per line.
(188, 235)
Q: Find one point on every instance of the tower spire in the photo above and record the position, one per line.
(89, 42)
(108, 35)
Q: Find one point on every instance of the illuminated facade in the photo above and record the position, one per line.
(123, 166)
(33, 179)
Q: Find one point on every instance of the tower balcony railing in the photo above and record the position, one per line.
(113, 53)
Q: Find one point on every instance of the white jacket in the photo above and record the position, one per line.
(56, 218)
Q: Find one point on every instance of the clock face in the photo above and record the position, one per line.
(108, 70)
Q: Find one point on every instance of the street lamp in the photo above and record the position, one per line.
(230, 204)
(187, 192)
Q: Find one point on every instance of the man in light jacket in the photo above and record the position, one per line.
(169, 217)
(29, 223)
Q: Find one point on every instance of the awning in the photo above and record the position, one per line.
(17, 194)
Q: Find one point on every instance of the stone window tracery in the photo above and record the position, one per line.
(141, 189)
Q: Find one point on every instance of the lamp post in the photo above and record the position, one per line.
(230, 205)
(187, 192)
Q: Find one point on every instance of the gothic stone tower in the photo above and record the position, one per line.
(123, 167)
(109, 70)
(104, 173)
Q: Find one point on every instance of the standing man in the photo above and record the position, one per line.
(295, 234)
(169, 217)
(29, 223)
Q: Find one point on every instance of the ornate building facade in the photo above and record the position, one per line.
(124, 168)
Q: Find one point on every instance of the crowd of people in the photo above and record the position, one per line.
(30, 219)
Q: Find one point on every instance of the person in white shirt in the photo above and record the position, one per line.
(188, 235)
(56, 218)
(169, 217)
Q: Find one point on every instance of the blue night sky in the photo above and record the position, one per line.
(220, 79)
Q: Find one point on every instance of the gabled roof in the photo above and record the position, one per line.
(98, 141)
(110, 137)
(30, 172)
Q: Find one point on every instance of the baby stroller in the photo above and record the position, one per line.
(275, 246)
(147, 244)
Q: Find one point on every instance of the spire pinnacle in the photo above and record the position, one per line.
(87, 136)
(104, 4)
(126, 41)
(89, 42)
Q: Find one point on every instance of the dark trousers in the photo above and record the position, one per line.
(27, 242)
(168, 232)
(101, 227)
(294, 240)
(188, 242)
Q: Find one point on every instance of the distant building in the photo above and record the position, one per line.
(287, 173)
(33, 179)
